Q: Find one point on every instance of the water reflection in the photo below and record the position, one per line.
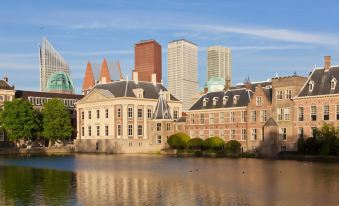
(156, 180)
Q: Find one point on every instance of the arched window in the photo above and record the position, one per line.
(333, 83)
(224, 100)
(310, 86)
(215, 100)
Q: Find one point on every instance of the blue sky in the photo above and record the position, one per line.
(266, 37)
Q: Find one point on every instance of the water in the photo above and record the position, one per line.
(159, 180)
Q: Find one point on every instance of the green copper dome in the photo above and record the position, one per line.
(215, 84)
(60, 82)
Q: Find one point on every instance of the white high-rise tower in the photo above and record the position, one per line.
(219, 63)
(50, 62)
(182, 70)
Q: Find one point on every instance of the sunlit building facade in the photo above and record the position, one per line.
(219, 63)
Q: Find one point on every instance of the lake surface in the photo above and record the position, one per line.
(160, 180)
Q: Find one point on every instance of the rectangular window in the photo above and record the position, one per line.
(130, 130)
(287, 113)
(119, 112)
(313, 131)
(202, 119)
(253, 116)
(98, 114)
(337, 107)
(98, 130)
(82, 115)
(106, 113)
(201, 134)
(118, 130)
(243, 134)
(158, 127)
(140, 113)
(326, 112)
(175, 114)
(130, 112)
(283, 148)
(82, 131)
(159, 139)
(279, 94)
(192, 118)
(106, 130)
(211, 118)
(263, 115)
(232, 134)
(282, 134)
(259, 101)
(254, 134)
(168, 126)
(288, 94)
(140, 130)
(243, 116)
(313, 113)
(300, 132)
(149, 113)
(222, 117)
(89, 114)
(300, 113)
(280, 113)
(231, 117)
(89, 131)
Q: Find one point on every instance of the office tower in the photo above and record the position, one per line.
(219, 63)
(182, 70)
(147, 60)
(50, 62)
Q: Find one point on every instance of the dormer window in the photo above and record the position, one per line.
(224, 100)
(310, 86)
(235, 99)
(139, 93)
(204, 101)
(333, 83)
(215, 100)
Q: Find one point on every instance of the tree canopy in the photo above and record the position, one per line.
(214, 143)
(233, 146)
(178, 140)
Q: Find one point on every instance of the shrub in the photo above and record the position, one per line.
(196, 143)
(178, 141)
(214, 143)
(311, 146)
(233, 146)
(327, 138)
(301, 145)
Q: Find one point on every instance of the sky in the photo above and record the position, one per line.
(267, 38)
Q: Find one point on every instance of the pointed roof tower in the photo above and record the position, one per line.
(104, 73)
(162, 108)
(89, 81)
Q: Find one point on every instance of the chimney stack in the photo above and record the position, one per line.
(327, 63)
(154, 78)
(135, 77)
(205, 90)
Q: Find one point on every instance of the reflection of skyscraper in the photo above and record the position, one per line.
(50, 62)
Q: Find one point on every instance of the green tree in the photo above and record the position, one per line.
(301, 145)
(195, 143)
(20, 120)
(233, 146)
(178, 141)
(56, 121)
(311, 146)
(214, 143)
(327, 138)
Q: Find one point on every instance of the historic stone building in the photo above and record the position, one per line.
(7, 93)
(126, 117)
(318, 100)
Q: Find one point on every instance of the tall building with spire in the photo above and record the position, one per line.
(147, 60)
(50, 62)
(219, 64)
(182, 70)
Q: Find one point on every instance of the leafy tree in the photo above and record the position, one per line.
(301, 145)
(311, 146)
(327, 138)
(195, 143)
(178, 140)
(20, 120)
(56, 121)
(214, 143)
(233, 146)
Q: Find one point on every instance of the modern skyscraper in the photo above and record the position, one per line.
(50, 62)
(182, 70)
(219, 63)
(147, 60)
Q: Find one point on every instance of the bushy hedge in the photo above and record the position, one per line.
(214, 143)
(195, 143)
(233, 146)
(178, 141)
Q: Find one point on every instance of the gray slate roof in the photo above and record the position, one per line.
(5, 85)
(322, 82)
(181, 119)
(162, 109)
(119, 89)
(244, 99)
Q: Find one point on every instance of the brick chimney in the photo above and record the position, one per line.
(135, 77)
(154, 78)
(327, 63)
(205, 90)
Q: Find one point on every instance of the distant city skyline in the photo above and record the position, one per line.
(287, 36)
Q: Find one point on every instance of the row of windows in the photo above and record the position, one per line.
(43, 100)
(232, 117)
(281, 94)
(6, 98)
(313, 113)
